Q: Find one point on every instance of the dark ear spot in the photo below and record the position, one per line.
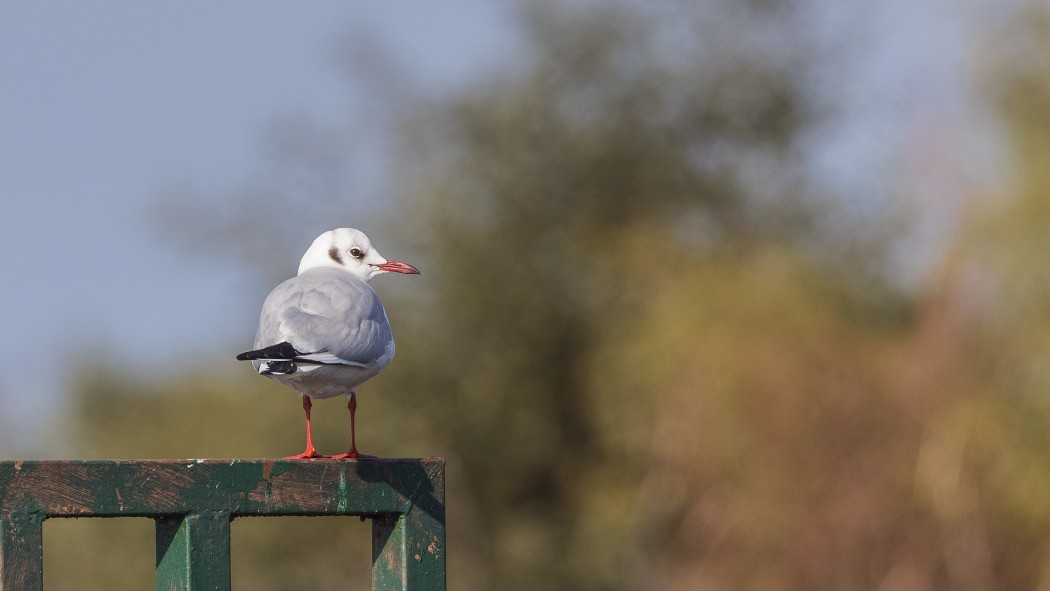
(336, 256)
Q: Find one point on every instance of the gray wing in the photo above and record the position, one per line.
(329, 316)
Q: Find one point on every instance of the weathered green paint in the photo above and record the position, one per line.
(408, 549)
(406, 557)
(193, 552)
(193, 502)
(21, 551)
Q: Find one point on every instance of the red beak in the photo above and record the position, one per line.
(398, 267)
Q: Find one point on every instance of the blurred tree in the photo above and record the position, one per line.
(640, 147)
(1000, 275)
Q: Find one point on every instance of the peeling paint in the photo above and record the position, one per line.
(341, 497)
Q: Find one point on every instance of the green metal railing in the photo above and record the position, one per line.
(194, 501)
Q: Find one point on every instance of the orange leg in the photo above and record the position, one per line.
(310, 452)
(353, 453)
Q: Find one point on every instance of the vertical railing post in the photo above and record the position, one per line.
(22, 552)
(193, 552)
(388, 553)
(408, 550)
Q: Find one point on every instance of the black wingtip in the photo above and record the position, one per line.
(283, 350)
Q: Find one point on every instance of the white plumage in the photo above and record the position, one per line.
(324, 332)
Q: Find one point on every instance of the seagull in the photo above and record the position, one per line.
(324, 332)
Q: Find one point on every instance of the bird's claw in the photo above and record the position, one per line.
(306, 455)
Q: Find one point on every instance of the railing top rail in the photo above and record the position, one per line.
(151, 488)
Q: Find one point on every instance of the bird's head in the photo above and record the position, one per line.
(350, 250)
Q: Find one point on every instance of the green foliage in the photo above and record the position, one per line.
(557, 208)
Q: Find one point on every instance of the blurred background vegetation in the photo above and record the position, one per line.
(655, 350)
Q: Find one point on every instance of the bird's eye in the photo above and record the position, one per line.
(356, 253)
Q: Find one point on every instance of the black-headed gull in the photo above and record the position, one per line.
(324, 331)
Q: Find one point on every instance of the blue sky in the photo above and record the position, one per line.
(104, 105)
